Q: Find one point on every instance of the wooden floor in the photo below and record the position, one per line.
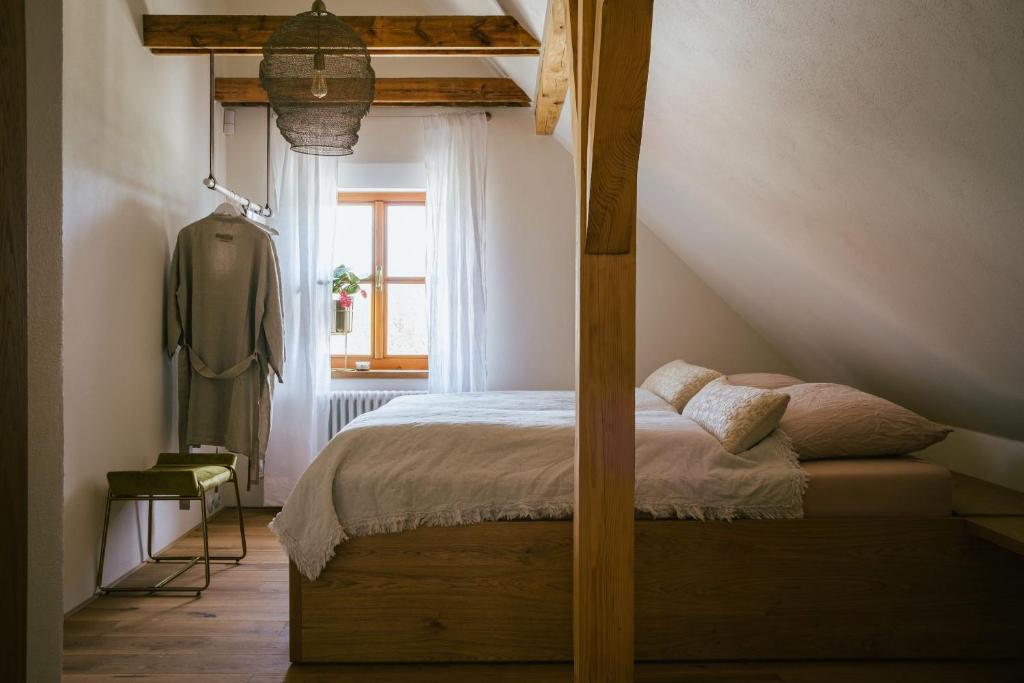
(238, 632)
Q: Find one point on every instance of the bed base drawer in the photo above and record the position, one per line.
(746, 590)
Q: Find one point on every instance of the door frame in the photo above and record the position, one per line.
(13, 340)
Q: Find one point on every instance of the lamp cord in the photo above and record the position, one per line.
(268, 160)
(211, 117)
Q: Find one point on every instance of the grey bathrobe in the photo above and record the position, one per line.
(224, 313)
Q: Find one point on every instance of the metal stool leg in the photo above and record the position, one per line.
(213, 558)
(189, 561)
(206, 544)
(149, 533)
(241, 522)
(103, 544)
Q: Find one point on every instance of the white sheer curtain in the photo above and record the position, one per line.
(455, 152)
(305, 206)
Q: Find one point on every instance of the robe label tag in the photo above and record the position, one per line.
(223, 237)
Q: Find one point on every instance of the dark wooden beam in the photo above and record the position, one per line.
(385, 35)
(555, 67)
(394, 92)
(13, 341)
(611, 47)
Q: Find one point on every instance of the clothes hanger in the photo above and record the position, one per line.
(227, 209)
(261, 226)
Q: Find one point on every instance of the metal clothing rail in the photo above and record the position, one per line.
(248, 206)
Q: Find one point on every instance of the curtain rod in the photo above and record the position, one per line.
(414, 116)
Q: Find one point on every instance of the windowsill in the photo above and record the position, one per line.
(341, 373)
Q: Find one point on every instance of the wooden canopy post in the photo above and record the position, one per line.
(610, 51)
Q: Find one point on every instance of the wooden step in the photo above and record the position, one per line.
(1007, 532)
(994, 513)
(973, 496)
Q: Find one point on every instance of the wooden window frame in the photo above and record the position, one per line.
(379, 358)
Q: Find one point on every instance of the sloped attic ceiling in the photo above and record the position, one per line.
(849, 176)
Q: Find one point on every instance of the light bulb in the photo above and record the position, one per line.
(319, 87)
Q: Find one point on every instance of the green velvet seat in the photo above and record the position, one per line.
(182, 477)
(175, 475)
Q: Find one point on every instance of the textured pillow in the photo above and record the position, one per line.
(835, 421)
(678, 381)
(739, 417)
(763, 380)
(647, 401)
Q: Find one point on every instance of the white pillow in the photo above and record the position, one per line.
(678, 381)
(739, 417)
(647, 401)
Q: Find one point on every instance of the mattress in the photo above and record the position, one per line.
(448, 459)
(877, 487)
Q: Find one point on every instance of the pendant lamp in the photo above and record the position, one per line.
(318, 78)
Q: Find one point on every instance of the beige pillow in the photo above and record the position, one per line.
(763, 380)
(739, 417)
(678, 381)
(835, 421)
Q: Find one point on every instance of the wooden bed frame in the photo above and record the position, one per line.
(842, 588)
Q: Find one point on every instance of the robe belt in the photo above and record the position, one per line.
(204, 370)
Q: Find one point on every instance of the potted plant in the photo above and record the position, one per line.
(345, 283)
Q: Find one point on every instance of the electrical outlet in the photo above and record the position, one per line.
(184, 504)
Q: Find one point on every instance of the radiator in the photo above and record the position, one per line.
(348, 405)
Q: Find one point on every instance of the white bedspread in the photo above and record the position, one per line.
(447, 459)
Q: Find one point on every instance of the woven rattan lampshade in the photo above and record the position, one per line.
(318, 78)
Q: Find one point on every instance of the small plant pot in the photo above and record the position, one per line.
(342, 320)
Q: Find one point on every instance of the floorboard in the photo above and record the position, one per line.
(237, 632)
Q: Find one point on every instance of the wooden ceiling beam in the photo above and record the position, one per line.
(394, 92)
(384, 35)
(553, 74)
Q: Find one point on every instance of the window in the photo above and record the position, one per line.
(383, 235)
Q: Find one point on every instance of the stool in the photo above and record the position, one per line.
(175, 477)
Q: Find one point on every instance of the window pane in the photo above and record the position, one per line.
(407, 240)
(362, 323)
(407, 320)
(353, 238)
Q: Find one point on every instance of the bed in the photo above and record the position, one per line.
(869, 563)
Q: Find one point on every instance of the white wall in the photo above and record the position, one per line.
(531, 267)
(530, 254)
(45, 426)
(678, 316)
(985, 456)
(135, 152)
